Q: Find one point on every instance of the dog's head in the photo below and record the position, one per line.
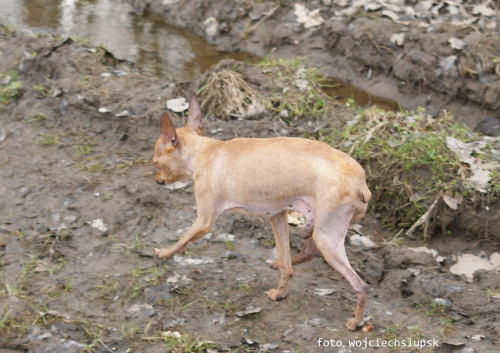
(168, 158)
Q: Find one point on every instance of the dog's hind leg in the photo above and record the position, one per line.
(279, 224)
(329, 234)
(308, 252)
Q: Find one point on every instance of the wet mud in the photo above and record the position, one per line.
(81, 215)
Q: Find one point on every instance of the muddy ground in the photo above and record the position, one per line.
(81, 216)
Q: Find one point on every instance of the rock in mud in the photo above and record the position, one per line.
(189, 260)
(249, 310)
(489, 126)
(223, 238)
(63, 346)
(435, 286)
(22, 192)
(175, 322)
(443, 302)
(218, 319)
(157, 293)
(3, 135)
(400, 257)
(142, 311)
(67, 201)
(361, 242)
(400, 282)
(269, 347)
(211, 29)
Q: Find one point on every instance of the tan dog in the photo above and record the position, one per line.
(268, 177)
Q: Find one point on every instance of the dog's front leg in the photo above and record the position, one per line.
(200, 227)
(279, 224)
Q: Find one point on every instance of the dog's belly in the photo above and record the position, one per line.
(270, 209)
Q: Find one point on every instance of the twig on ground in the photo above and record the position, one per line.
(425, 217)
(270, 13)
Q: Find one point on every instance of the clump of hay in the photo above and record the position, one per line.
(226, 94)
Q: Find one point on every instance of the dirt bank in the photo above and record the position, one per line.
(438, 56)
(81, 216)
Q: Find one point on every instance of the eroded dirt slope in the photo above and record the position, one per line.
(437, 55)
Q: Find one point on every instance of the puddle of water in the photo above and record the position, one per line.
(150, 43)
(344, 91)
(145, 40)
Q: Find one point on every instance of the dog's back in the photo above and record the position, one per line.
(280, 169)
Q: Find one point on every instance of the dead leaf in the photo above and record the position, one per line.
(367, 328)
(398, 38)
(453, 202)
(467, 264)
(55, 313)
(295, 218)
(173, 334)
(178, 105)
(177, 185)
(392, 15)
(99, 224)
(373, 6)
(456, 43)
(323, 291)
(308, 18)
(477, 337)
(249, 310)
(483, 10)
(480, 171)
(434, 253)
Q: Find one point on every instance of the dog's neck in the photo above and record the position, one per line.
(190, 145)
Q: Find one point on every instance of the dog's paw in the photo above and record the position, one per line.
(352, 325)
(273, 264)
(164, 253)
(275, 294)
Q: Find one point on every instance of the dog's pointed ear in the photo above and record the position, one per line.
(194, 116)
(167, 130)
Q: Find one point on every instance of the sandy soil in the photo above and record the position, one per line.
(71, 283)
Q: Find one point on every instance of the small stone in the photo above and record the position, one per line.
(141, 310)
(3, 135)
(175, 322)
(269, 347)
(22, 192)
(157, 293)
(223, 238)
(361, 242)
(67, 201)
(249, 310)
(218, 319)
(443, 302)
(211, 28)
(467, 350)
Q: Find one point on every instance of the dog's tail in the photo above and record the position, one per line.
(363, 195)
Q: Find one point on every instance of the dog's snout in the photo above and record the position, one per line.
(161, 182)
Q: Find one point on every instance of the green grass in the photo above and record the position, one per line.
(311, 103)
(176, 343)
(10, 87)
(407, 160)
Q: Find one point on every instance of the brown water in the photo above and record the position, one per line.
(149, 42)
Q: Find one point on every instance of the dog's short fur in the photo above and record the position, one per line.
(268, 177)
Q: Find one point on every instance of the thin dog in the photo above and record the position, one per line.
(268, 177)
